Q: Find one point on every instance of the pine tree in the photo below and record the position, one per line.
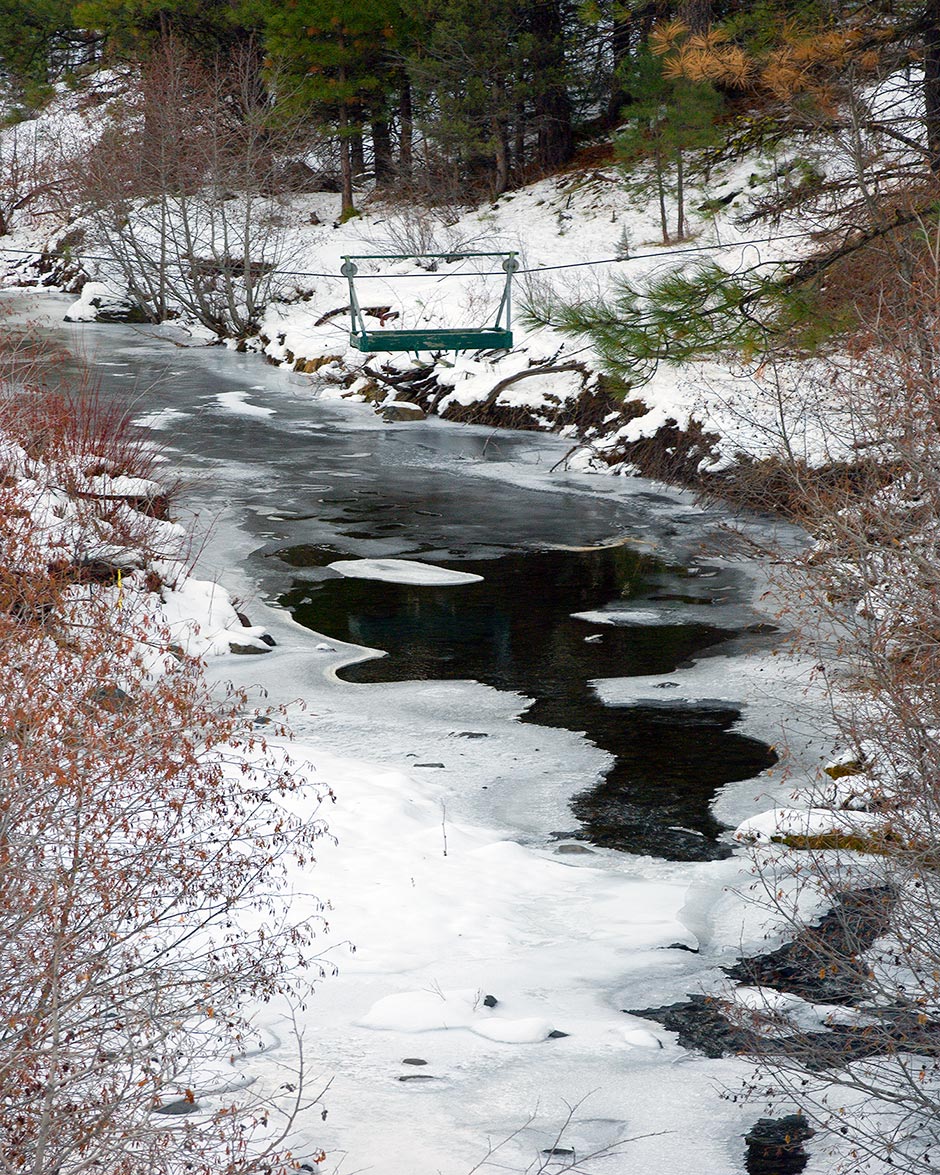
(133, 27)
(666, 119)
(38, 43)
(467, 76)
(340, 61)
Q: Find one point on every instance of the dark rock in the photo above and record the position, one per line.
(98, 571)
(899, 1030)
(775, 1145)
(471, 734)
(181, 1106)
(681, 946)
(246, 650)
(557, 1034)
(268, 640)
(701, 1025)
(414, 1061)
(824, 963)
(558, 1150)
(416, 1077)
(490, 1001)
(112, 698)
(118, 310)
(427, 764)
(398, 410)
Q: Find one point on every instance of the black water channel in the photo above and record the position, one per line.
(516, 630)
(312, 482)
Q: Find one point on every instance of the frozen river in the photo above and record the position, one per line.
(462, 868)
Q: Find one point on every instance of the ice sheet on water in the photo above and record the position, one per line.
(558, 940)
(238, 402)
(764, 687)
(407, 571)
(637, 616)
(465, 1008)
(160, 419)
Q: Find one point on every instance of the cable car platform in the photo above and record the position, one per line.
(452, 339)
(495, 337)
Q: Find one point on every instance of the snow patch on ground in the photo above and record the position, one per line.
(424, 1011)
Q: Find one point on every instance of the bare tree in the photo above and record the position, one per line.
(145, 836)
(845, 1021)
(35, 175)
(181, 190)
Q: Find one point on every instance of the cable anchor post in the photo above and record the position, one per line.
(504, 314)
(349, 270)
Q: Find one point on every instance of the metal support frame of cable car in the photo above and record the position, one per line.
(495, 337)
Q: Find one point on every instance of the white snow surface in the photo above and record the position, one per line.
(96, 519)
(445, 910)
(785, 822)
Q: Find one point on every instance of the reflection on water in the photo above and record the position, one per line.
(514, 630)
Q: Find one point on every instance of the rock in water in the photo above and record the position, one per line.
(775, 1145)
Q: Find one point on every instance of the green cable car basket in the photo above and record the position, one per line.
(461, 338)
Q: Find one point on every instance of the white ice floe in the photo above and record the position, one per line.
(160, 419)
(238, 402)
(406, 571)
(639, 616)
(426, 1011)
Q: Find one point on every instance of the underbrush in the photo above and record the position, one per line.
(147, 829)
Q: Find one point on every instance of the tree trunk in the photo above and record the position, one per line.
(347, 207)
(680, 193)
(932, 81)
(357, 152)
(551, 100)
(621, 38)
(661, 191)
(650, 15)
(696, 14)
(501, 157)
(382, 152)
(518, 147)
(406, 135)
